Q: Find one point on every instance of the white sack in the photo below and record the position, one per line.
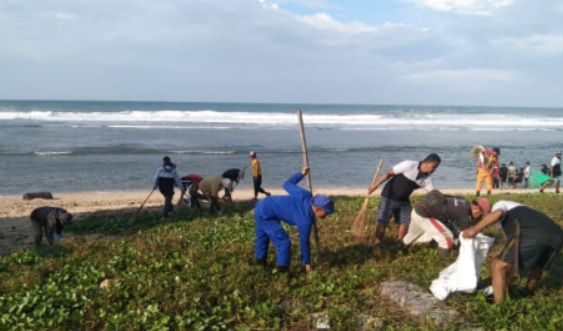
(463, 274)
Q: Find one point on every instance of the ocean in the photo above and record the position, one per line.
(73, 146)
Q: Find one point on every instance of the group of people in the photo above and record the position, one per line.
(533, 239)
(199, 188)
(503, 176)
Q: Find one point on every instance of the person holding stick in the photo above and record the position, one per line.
(165, 178)
(404, 178)
(533, 241)
(299, 209)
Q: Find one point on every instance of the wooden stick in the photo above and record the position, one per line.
(134, 218)
(309, 184)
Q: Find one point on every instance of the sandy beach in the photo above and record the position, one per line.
(15, 227)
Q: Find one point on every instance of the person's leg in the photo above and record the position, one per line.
(261, 243)
(479, 181)
(499, 272)
(440, 234)
(257, 184)
(402, 214)
(167, 204)
(37, 232)
(282, 243)
(488, 181)
(382, 219)
(557, 181)
(534, 277)
(415, 230)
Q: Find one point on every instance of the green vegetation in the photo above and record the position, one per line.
(195, 272)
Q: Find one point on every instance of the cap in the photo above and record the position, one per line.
(323, 202)
(485, 205)
(496, 149)
(166, 159)
(252, 153)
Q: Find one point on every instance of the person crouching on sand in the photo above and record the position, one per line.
(49, 221)
(296, 209)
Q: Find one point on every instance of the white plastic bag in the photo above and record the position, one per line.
(463, 274)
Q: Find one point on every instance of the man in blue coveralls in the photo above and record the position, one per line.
(296, 209)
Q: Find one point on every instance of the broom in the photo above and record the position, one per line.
(134, 217)
(359, 225)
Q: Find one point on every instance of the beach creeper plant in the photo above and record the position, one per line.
(195, 272)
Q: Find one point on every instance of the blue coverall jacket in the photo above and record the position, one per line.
(294, 209)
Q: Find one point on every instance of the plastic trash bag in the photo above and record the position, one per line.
(463, 274)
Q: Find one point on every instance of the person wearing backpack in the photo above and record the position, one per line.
(404, 178)
(441, 217)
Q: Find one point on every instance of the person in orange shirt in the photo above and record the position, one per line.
(487, 167)
(257, 176)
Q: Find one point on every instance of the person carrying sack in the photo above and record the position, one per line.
(533, 240)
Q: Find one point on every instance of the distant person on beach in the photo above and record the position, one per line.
(512, 175)
(527, 174)
(298, 209)
(257, 175)
(404, 178)
(231, 179)
(191, 185)
(441, 218)
(165, 178)
(533, 241)
(554, 172)
(487, 167)
(544, 169)
(503, 173)
(210, 187)
(49, 221)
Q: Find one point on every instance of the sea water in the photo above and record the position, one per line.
(68, 146)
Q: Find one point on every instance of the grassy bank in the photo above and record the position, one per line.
(196, 272)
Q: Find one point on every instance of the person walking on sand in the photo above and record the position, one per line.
(257, 175)
(554, 172)
(487, 168)
(49, 221)
(533, 241)
(405, 177)
(512, 175)
(165, 178)
(298, 209)
(503, 173)
(441, 218)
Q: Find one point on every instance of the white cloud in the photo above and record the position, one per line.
(545, 45)
(326, 22)
(469, 7)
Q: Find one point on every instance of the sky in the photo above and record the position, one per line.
(417, 52)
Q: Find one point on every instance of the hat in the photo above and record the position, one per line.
(496, 149)
(65, 218)
(252, 153)
(558, 151)
(323, 202)
(485, 205)
(166, 159)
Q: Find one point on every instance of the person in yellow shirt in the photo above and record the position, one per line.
(257, 176)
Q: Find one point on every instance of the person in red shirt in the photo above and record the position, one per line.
(487, 167)
(191, 183)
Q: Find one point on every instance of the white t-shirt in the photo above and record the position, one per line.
(505, 206)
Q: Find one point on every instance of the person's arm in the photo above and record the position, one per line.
(390, 173)
(290, 185)
(305, 246)
(155, 180)
(488, 220)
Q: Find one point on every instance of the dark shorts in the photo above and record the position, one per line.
(532, 254)
(401, 211)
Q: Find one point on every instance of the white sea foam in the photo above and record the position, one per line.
(47, 153)
(209, 119)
